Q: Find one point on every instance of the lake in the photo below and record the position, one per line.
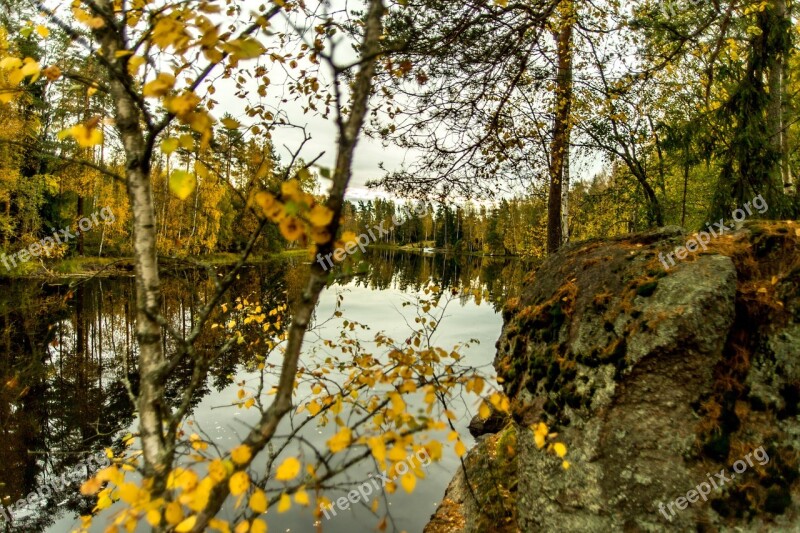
(69, 350)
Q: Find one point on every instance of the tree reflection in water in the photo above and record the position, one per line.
(71, 354)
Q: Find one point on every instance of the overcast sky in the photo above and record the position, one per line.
(369, 153)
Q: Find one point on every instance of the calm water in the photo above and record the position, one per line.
(68, 350)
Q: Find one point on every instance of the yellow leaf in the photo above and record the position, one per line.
(291, 189)
(186, 141)
(301, 497)
(320, 235)
(198, 499)
(42, 31)
(217, 471)
(349, 236)
(560, 449)
(134, 63)
(320, 216)
(397, 453)
(30, 68)
(291, 228)
(186, 525)
(460, 449)
(259, 526)
(91, 486)
(173, 513)
(182, 478)
(182, 104)
(153, 517)
(242, 527)
(378, 448)
(285, 503)
(85, 136)
(288, 470)
(239, 483)
(565, 465)
(434, 449)
(197, 443)
(398, 404)
(258, 502)
(15, 77)
(476, 384)
(159, 86)
(104, 502)
(129, 493)
(112, 474)
(341, 440)
(245, 48)
(408, 481)
(264, 200)
(219, 525)
(484, 411)
(10, 63)
(182, 184)
(314, 408)
(241, 454)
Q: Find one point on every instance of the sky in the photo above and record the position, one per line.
(369, 154)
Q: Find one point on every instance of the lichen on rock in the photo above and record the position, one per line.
(653, 378)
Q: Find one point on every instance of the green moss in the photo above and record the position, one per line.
(551, 407)
(557, 319)
(647, 289)
(778, 500)
(717, 445)
(507, 441)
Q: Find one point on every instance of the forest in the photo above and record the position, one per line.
(169, 171)
(664, 114)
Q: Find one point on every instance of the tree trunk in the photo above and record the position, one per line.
(565, 195)
(561, 127)
(148, 286)
(777, 97)
(80, 210)
(685, 190)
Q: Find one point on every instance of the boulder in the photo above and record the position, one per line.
(657, 380)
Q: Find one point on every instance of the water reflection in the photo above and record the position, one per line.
(71, 356)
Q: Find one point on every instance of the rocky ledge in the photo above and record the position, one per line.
(658, 381)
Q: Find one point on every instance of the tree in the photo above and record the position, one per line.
(559, 153)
